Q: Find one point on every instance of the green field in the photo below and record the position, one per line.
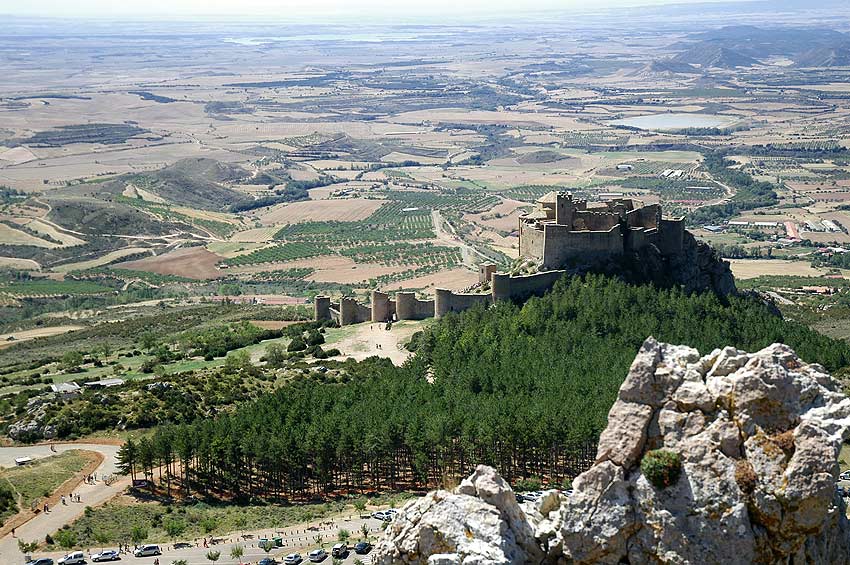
(40, 478)
(45, 287)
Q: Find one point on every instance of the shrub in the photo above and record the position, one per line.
(661, 467)
(531, 483)
(745, 476)
(297, 344)
(66, 538)
(315, 338)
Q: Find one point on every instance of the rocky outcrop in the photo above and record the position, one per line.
(480, 522)
(696, 268)
(754, 439)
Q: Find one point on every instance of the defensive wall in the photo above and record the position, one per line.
(406, 306)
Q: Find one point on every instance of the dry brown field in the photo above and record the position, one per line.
(454, 279)
(353, 273)
(193, 262)
(98, 261)
(27, 335)
(751, 268)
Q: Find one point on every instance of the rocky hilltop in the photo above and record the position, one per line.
(724, 458)
(698, 267)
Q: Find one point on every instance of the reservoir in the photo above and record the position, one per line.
(676, 121)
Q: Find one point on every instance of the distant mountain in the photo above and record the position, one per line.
(714, 56)
(837, 56)
(732, 46)
(670, 66)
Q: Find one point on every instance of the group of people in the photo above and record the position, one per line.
(91, 479)
(73, 497)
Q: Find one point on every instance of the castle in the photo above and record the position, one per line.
(558, 234)
(561, 230)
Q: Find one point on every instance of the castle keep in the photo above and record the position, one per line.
(559, 233)
(561, 230)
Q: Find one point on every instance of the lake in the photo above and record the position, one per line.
(676, 121)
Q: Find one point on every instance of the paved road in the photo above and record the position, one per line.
(59, 515)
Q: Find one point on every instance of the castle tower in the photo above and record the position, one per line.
(322, 308)
(380, 306)
(485, 272)
(564, 209)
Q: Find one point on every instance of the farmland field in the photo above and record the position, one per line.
(347, 210)
(193, 263)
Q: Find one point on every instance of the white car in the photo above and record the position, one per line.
(73, 558)
(292, 559)
(317, 555)
(380, 515)
(845, 476)
(147, 551)
(106, 555)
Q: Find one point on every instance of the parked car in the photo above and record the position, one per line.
(147, 551)
(105, 555)
(292, 559)
(339, 550)
(182, 545)
(40, 561)
(73, 558)
(380, 515)
(317, 555)
(845, 476)
(362, 548)
(269, 561)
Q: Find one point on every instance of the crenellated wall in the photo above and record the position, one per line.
(446, 301)
(562, 245)
(408, 307)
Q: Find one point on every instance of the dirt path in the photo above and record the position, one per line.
(42, 524)
(364, 340)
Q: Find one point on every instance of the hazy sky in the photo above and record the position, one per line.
(294, 8)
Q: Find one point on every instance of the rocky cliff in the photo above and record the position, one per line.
(697, 268)
(724, 458)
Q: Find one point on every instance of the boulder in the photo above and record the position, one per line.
(754, 439)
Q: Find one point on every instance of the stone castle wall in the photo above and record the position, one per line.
(352, 312)
(531, 243)
(671, 238)
(446, 301)
(408, 307)
(382, 307)
(506, 287)
(561, 245)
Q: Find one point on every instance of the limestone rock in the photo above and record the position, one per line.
(757, 435)
(480, 522)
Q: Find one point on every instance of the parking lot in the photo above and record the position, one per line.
(296, 539)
